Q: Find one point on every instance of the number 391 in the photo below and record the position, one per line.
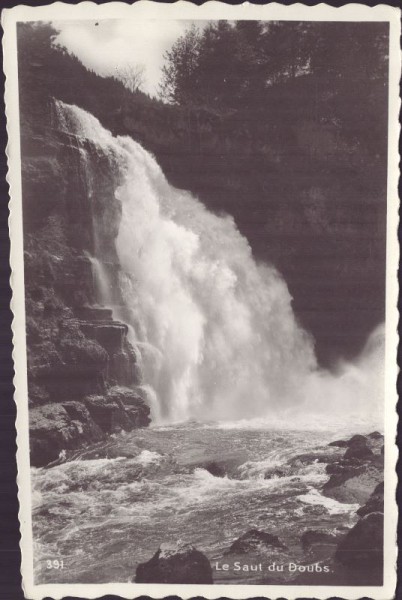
(55, 564)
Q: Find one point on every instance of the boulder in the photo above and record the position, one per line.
(357, 439)
(376, 442)
(353, 485)
(255, 540)
(363, 544)
(216, 464)
(359, 442)
(179, 563)
(355, 475)
(312, 539)
(358, 449)
(215, 469)
(375, 503)
(376, 435)
(339, 443)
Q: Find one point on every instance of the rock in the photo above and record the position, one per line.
(338, 467)
(375, 503)
(56, 427)
(314, 510)
(74, 280)
(277, 472)
(127, 396)
(255, 540)
(94, 313)
(215, 469)
(376, 435)
(108, 414)
(109, 334)
(122, 359)
(357, 439)
(339, 443)
(353, 485)
(43, 173)
(312, 538)
(69, 425)
(181, 563)
(216, 464)
(309, 458)
(37, 394)
(134, 405)
(363, 544)
(355, 475)
(358, 449)
(66, 365)
(375, 442)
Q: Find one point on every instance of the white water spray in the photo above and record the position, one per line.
(216, 331)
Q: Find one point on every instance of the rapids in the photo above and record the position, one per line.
(112, 507)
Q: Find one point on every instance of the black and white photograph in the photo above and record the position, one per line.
(203, 232)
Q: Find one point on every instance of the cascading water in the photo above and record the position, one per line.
(216, 332)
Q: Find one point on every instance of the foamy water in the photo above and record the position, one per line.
(117, 511)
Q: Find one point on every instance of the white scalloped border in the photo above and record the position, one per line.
(145, 9)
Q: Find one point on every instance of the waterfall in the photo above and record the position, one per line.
(216, 331)
(101, 282)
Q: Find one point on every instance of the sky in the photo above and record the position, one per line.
(109, 45)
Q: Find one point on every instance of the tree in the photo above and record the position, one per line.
(178, 74)
(132, 76)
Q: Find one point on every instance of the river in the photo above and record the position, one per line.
(113, 505)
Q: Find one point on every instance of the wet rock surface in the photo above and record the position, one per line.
(179, 563)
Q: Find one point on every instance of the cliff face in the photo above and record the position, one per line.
(83, 376)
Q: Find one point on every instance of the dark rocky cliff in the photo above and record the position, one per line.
(83, 376)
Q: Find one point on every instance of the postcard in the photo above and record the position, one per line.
(204, 252)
